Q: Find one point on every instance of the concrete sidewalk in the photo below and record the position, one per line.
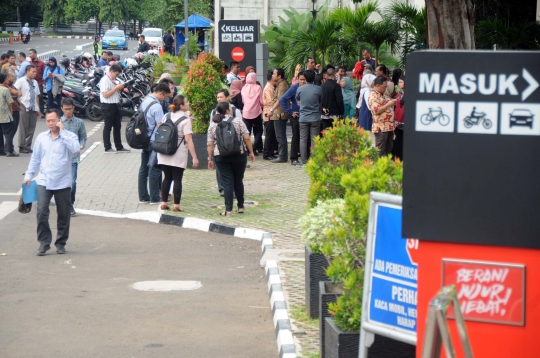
(82, 304)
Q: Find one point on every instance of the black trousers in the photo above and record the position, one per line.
(113, 120)
(270, 141)
(397, 149)
(172, 174)
(42, 100)
(232, 171)
(256, 125)
(7, 132)
(62, 198)
(295, 141)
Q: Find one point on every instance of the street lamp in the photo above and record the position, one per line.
(314, 12)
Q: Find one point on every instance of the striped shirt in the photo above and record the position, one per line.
(105, 85)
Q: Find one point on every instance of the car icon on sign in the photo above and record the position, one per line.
(521, 117)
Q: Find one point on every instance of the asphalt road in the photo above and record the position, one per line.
(66, 46)
(82, 304)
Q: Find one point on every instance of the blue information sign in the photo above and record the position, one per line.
(394, 275)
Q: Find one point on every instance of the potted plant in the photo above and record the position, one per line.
(200, 87)
(314, 224)
(329, 293)
(179, 70)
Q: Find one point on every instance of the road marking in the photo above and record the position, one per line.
(95, 129)
(7, 207)
(89, 150)
(167, 286)
(13, 194)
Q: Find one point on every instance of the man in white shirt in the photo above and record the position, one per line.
(110, 97)
(233, 75)
(29, 101)
(52, 156)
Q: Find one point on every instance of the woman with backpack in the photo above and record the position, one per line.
(173, 166)
(229, 152)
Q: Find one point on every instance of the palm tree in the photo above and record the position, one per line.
(354, 20)
(515, 35)
(380, 32)
(322, 36)
(412, 26)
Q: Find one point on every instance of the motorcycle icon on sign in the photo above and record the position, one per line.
(434, 115)
(476, 118)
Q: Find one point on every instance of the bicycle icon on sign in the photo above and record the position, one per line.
(434, 115)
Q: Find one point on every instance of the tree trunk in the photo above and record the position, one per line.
(95, 28)
(18, 14)
(100, 28)
(450, 24)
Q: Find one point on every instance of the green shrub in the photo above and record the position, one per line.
(216, 63)
(316, 221)
(200, 86)
(342, 148)
(346, 246)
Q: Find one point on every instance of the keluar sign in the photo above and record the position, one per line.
(488, 292)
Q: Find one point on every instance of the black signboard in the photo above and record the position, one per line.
(237, 41)
(472, 148)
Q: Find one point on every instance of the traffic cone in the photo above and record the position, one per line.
(19, 38)
(161, 52)
(11, 38)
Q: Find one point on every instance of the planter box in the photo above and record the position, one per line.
(340, 344)
(201, 148)
(384, 347)
(328, 293)
(316, 265)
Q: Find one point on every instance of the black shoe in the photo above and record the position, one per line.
(222, 193)
(12, 154)
(268, 158)
(60, 250)
(25, 151)
(42, 250)
(279, 161)
(123, 150)
(3, 154)
(110, 151)
(73, 212)
(255, 153)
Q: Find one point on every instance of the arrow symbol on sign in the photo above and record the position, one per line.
(223, 28)
(533, 84)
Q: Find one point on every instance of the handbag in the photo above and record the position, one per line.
(153, 161)
(24, 208)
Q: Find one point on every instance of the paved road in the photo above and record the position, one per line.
(66, 46)
(82, 304)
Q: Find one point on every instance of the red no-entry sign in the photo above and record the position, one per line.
(238, 54)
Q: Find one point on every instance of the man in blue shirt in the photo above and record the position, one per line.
(52, 156)
(293, 111)
(103, 61)
(150, 177)
(24, 62)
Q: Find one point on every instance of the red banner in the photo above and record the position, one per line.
(488, 292)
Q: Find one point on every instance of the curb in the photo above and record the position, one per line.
(70, 37)
(280, 314)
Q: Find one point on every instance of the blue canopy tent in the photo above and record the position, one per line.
(195, 22)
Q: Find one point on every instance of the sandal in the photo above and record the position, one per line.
(240, 210)
(225, 213)
(178, 210)
(164, 207)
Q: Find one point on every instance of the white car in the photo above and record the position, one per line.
(153, 36)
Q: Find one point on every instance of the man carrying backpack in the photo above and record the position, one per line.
(150, 177)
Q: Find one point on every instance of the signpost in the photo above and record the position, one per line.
(238, 40)
(471, 173)
(390, 280)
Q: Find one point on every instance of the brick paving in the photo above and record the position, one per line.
(278, 192)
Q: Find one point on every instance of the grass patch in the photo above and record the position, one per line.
(312, 355)
(300, 314)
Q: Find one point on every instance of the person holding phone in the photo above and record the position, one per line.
(52, 154)
(383, 116)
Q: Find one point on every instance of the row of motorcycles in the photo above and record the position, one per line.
(82, 79)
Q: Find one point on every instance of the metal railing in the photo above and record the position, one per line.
(437, 331)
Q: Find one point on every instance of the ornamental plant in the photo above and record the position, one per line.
(342, 148)
(346, 246)
(200, 86)
(215, 62)
(317, 220)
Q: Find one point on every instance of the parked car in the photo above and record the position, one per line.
(521, 117)
(114, 38)
(153, 36)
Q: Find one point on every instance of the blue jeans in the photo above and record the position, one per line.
(74, 167)
(148, 178)
(280, 126)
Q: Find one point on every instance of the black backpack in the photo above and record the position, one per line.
(137, 130)
(227, 139)
(166, 138)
